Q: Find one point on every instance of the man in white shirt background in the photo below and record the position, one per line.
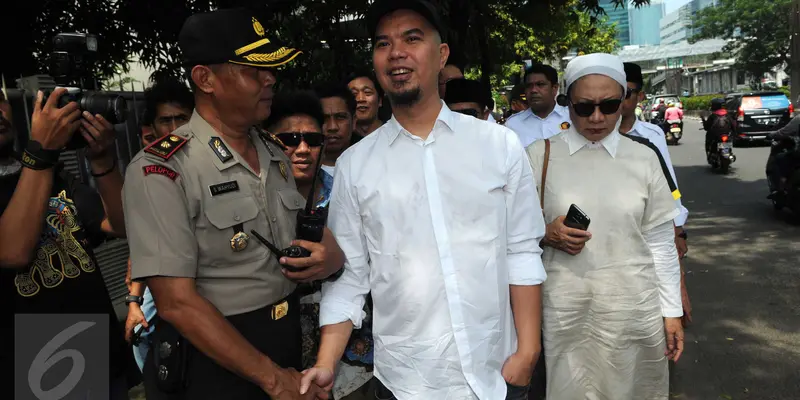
(443, 228)
(544, 118)
(631, 125)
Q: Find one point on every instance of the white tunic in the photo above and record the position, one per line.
(602, 321)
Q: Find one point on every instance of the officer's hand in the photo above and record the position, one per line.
(51, 126)
(287, 387)
(313, 267)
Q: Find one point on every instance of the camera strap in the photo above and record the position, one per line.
(37, 158)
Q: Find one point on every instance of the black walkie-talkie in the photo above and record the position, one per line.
(311, 220)
(310, 223)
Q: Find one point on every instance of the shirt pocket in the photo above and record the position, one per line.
(284, 217)
(226, 218)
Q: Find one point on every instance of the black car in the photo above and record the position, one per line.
(758, 114)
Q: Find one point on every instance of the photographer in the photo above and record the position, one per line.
(50, 222)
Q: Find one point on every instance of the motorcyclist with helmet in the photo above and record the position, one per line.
(718, 123)
(784, 157)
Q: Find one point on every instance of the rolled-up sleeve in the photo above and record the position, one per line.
(661, 241)
(159, 229)
(344, 298)
(524, 220)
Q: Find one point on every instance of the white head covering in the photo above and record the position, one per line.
(597, 63)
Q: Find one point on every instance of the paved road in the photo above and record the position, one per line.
(744, 279)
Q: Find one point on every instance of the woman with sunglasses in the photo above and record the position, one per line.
(612, 302)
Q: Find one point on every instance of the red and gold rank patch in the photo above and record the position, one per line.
(160, 170)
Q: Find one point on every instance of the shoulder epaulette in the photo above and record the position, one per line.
(673, 187)
(166, 147)
(270, 137)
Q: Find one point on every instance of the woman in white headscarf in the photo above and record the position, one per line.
(612, 302)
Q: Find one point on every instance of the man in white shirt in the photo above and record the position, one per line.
(544, 118)
(634, 127)
(443, 229)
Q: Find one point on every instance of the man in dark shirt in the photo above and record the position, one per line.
(50, 222)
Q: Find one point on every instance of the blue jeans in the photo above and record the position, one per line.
(149, 311)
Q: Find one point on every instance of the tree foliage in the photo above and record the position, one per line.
(759, 32)
(493, 35)
(29, 27)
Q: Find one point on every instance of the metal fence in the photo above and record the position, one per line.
(112, 256)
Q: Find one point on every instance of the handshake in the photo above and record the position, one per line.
(313, 383)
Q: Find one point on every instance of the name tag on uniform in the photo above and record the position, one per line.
(224, 187)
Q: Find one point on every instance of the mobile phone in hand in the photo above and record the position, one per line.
(576, 218)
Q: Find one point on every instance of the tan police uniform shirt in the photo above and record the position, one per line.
(183, 208)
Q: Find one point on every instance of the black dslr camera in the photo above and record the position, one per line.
(71, 58)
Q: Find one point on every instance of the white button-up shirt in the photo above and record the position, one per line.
(656, 136)
(530, 127)
(437, 230)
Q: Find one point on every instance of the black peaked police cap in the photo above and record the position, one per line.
(231, 36)
(381, 8)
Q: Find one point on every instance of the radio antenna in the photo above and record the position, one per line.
(310, 199)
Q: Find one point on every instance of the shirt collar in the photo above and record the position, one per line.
(576, 141)
(445, 116)
(638, 127)
(214, 143)
(560, 111)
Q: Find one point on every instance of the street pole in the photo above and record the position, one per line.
(794, 60)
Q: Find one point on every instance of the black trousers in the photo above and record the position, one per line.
(280, 340)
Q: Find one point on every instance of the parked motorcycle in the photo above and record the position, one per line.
(674, 131)
(787, 196)
(720, 154)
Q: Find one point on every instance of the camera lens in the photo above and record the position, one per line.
(112, 107)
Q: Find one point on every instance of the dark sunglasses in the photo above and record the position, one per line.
(293, 139)
(468, 111)
(630, 92)
(607, 107)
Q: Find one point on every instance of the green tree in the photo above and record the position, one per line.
(759, 33)
(29, 27)
(331, 33)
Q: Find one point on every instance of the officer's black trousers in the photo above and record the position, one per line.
(280, 340)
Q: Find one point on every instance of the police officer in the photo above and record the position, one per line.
(229, 324)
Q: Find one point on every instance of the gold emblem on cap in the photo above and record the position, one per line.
(239, 241)
(257, 27)
(282, 167)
